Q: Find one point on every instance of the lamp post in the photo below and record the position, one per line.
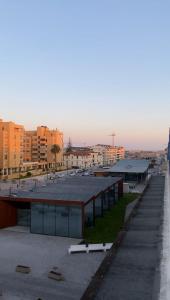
(19, 172)
(67, 165)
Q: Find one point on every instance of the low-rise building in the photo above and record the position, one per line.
(131, 170)
(63, 208)
(82, 159)
(110, 154)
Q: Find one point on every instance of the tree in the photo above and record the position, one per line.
(55, 149)
(69, 146)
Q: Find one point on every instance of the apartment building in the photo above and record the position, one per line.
(11, 147)
(109, 153)
(22, 151)
(82, 159)
(38, 144)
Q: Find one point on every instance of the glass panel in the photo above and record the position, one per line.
(49, 219)
(116, 192)
(89, 218)
(75, 222)
(23, 217)
(112, 197)
(105, 201)
(37, 213)
(98, 206)
(62, 214)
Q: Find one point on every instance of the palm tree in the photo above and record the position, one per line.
(55, 149)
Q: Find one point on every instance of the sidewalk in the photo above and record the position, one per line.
(133, 272)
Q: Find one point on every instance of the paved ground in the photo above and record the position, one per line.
(42, 254)
(133, 273)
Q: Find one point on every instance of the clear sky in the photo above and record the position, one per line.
(88, 68)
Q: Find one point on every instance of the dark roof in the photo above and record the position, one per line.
(128, 166)
(68, 189)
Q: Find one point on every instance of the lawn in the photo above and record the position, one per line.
(107, 227)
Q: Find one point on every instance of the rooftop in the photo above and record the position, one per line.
(80, 189)
(129, 166)
(42, 254)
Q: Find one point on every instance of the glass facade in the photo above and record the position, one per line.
(89, 215)
(49, 219)
(23, 214)
(105, 201)
(56, 220)
(37, 214)
(23, 217)
(75, 222)
(112, 196)
(98, 207)
(116, 192)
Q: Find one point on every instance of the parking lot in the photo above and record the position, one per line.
(12, 186)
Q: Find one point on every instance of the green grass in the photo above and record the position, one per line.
(107, 227)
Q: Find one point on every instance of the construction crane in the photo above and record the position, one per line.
(113, 138)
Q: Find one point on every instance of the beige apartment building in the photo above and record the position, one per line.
(11, 147)
(38, 144)
(22, 151)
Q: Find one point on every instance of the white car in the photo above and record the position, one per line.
(86, 174)
(60, 175)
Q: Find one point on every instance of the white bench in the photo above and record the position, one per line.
(89, 248)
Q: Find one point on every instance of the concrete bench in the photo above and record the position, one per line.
(89, 248)
(55, 275)
(23, 269)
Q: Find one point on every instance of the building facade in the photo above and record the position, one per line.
(38, 144)
(22, 151)
(130, 170)
(63, 208)
(82, 159)
(110, 154)
(11, 147)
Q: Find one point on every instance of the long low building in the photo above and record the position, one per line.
(60, 208)
(128, 169)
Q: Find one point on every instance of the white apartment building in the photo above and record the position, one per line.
(82, 159)
(110, 154)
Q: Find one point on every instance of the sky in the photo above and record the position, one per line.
(88, 68)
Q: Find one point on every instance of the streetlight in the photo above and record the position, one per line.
(19, 172)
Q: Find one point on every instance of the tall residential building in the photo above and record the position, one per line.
(11, 147)
(38, 144)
